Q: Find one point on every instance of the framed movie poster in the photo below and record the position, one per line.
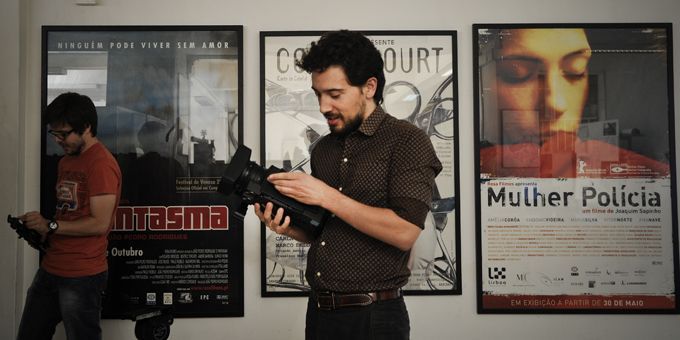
(421, 87)
(576, 188)
(169, 105)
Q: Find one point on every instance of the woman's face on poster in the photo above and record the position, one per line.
(542, 79)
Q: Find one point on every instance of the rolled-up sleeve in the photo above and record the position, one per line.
(414, 168)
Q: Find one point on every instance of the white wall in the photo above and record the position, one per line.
(452, 317)
(11, 254)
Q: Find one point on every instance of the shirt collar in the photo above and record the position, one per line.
(370, 125)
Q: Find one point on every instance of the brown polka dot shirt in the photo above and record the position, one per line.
(386, 163)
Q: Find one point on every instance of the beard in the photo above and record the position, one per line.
(351, 124)
(73, 149)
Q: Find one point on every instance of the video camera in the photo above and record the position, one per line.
(31, 236)
(246, 183)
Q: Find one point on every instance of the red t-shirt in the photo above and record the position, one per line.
(94, 172)
(566, 156)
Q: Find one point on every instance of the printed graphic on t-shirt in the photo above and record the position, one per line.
(67, 198)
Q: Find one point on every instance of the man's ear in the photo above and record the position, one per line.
(87, 130)
(370, 87)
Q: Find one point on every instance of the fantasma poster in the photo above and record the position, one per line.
(169, 105)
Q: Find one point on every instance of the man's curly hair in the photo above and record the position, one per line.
(352, 51)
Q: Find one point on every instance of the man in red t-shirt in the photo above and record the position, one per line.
(73, 272)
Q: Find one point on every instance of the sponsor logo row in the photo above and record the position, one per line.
(182, 297)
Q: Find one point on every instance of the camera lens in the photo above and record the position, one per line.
(245, 183)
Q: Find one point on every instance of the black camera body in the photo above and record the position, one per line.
(31, 236)
(246, 183)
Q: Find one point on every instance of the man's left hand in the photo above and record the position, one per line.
(33, 220)
(302, 187)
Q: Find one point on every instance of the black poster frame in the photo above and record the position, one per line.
(297, 98)
(504, 286)
(184, 85)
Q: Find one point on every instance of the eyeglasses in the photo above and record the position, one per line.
(60, 134)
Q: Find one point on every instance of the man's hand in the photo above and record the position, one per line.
(302, 187)
(33, 220)
(277, 223)
(380, 223)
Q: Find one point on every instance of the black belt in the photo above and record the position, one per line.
(333, 300)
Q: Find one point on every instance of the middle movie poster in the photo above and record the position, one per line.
(421, 87)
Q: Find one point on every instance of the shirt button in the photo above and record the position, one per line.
(344, 160)
(340, 188)
(318, 274)
(323, 243)
(332, 215)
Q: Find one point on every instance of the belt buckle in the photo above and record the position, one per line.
(330, 295)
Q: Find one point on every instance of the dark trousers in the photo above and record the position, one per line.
(52, 299)
(386, 320)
